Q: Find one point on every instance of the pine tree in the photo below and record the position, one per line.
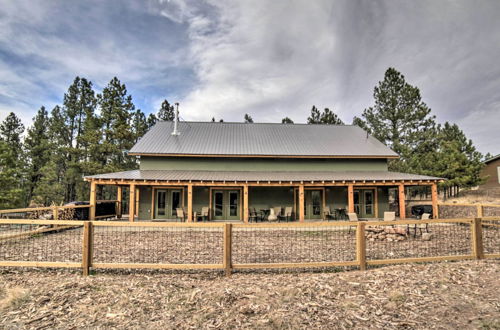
(455, 158)
(400, 120)
(139, 125)
(325, 117)
(286, 120)
(37, 149)
(152, 120)
(166, 112)
(247, 119)
(12, 163)
(116, 116)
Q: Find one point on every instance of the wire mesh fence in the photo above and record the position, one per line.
(256, 244)
(158, 245)
(236, 246)
(491, 211)
(418, 240)
(490, 239)
(447, 211)
(40, 242)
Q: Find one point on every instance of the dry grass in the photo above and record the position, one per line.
(454, 295)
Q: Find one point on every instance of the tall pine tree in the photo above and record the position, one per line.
(166, 112)
(325, 117)
(401, 120)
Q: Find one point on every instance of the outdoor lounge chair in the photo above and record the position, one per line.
(253, 215)
(420, 226)
(180, 214)
(204, 213)
(328, 214)
(353, 217)
(287, 216)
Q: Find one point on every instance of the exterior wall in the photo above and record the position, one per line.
(145, 203)
(201, 198)
(261, 164)
(492, 170)
(266, 197)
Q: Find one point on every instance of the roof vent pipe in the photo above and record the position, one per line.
(176, 119)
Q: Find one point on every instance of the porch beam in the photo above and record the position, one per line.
(131, 203)
(190, 203)
(402, 203)
(434, 197)
(301, 203)
(93, 198)
(350, 198)
(245, 203)
(119, 197)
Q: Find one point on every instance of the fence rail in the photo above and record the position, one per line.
(226, 246)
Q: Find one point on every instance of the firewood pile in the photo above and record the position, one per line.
(388, 234)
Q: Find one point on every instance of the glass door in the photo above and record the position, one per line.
(166, 203)
(368, 204)
(161, 204)
(357, 201)
(226, 205)
(313, 204)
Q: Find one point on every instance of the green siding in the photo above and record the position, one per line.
(145, 203)
(383, 201)
(201, 198)
(252, 164)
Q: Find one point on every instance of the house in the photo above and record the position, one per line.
(492, 171)
(233, 168)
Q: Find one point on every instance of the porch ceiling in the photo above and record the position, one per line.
(255, 176)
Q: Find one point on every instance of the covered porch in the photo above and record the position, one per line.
(158, 195)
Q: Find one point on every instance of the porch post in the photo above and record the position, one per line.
(119, 197)
(350, 198)
(301, 203)
(245, 203)
(93, 198)
(402, 204)
(131, 204)
(434, 195)
(190, 203)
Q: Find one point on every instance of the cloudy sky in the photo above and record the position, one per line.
(271, 59)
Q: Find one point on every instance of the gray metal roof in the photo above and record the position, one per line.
(242, 176)
(240, 139)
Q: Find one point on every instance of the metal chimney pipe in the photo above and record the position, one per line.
(176, 119)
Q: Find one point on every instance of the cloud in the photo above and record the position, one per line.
(271, 59)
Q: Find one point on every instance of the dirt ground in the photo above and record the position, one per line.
(447, 295)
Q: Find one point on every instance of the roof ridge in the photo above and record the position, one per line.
(258, 123)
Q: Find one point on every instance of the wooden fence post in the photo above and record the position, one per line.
(480, 210)
(87, 248)
(55, 213)
(477, 238)
(227, 248)
(361, 246)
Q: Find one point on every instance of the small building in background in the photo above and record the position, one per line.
(492, 171)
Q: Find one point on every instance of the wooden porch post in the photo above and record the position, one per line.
(434, 196)
(131, 204)
(350, 198)
(402, 204)
(93, 199)
(119, 197)
(245, 203)
(301, 203)
(190, 203)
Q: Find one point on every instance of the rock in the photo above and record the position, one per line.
(426, 236)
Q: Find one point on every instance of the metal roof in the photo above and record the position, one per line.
(487, 161)
(242, 176)
(254, 140)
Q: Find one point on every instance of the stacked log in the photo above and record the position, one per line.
(387, 234)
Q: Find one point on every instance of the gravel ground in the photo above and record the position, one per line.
(446, 295)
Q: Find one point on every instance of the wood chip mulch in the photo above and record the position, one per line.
(446, 295)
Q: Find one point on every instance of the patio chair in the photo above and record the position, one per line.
(287, 216)
(272, 215)
(328, 214)
(180, 214)
(353, 217)
(204, 213)
(253, 215)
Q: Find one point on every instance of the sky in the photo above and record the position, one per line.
(271, 59)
